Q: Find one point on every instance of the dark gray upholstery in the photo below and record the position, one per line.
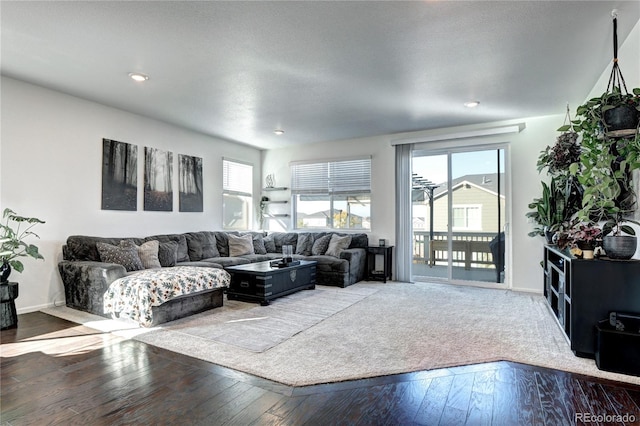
(86, 279)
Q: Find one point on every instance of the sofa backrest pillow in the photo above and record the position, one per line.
(83, 247)
(183, 249)
(202, 245)
(320, 245)
(304, 244)
(269, 244)
(168, 253)
(258, 244)
(239, 245)
(338, 244)
(125, 254)
(148, 253)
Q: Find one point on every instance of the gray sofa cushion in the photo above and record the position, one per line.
(168, 253)
(222, 240)
(304, 244)
(183, 249)
(258, 244)
(320, 245)
(228, 261)
(201, 245)
(82, 247)
(269, 244)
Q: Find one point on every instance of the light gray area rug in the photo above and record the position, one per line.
(258, 328)
(399, 328)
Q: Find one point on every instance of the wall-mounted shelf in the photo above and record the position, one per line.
(276, 215)
(276, 202)
(276, 188)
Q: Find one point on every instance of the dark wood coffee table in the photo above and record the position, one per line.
(260, 282)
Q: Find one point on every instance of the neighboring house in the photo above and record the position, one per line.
(475, 205)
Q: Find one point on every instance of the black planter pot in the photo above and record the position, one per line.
(621, 118)
(620, 247)
(5, 271)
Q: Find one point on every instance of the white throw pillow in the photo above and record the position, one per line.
(148, 253)
(240, 245)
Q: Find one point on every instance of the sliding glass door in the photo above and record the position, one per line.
(459, 211)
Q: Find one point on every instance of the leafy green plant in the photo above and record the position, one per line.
(13, 233)
(553, 211)
(606, 164)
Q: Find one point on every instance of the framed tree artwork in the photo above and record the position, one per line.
(158, 175)
(190, 183)
(119, 175)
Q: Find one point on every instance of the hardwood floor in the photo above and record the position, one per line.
(57, 372)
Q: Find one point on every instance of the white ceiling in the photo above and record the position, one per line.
(319, 70)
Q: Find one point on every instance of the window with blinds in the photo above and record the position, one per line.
(237, 194)
(332, 194)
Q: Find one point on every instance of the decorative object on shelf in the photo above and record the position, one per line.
(12, 238)
(382, 242)
(270, 181)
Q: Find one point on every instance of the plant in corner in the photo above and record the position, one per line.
(605, 174)
(14, 230)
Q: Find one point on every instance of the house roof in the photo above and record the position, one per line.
(320, 71)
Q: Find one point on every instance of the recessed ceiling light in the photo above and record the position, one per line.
(139, 77)
(279, 132)
(472, 104)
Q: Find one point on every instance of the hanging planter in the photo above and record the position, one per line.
(620, 110)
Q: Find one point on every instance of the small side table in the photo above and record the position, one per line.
(8, 313)
(372, 272)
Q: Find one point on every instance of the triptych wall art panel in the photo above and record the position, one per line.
(119, 175)
(120, 179)
(158, 173)
(190, 179)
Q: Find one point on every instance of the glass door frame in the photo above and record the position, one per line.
(427, 149)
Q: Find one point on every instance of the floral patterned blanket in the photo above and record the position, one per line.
(134, 295)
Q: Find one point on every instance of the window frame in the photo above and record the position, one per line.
(238, 189)
(327, 183)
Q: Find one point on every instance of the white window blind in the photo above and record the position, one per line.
(237, 178)
(332, 177)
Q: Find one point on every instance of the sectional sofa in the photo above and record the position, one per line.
(86, 277)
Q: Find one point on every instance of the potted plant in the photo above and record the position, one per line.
(584, 236)
(13, 233)
(605, 170)
(552, 211)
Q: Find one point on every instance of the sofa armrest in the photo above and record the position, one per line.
(357, 258)
(85, 283)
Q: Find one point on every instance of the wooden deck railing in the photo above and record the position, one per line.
(469, 249)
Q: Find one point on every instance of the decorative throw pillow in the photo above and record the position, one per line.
(240, 245)
(202, 245)
(321, 245)
(305, 244)
(168, 253)
(258, 244)
(338, 244)
(148, 253)
(269, 244)
(126, 254)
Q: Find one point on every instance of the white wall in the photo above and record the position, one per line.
(51, 168)
(525, 184)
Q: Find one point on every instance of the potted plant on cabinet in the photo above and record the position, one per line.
(13, 233)
(584, 236)
(605, 174)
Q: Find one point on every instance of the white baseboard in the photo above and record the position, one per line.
(35, 308)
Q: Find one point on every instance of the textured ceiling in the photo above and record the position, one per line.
(319, 70)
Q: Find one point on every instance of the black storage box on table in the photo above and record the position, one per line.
(618, 348)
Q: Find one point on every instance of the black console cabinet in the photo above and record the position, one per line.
(583, 292)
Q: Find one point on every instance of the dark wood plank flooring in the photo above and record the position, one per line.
(57, 372)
